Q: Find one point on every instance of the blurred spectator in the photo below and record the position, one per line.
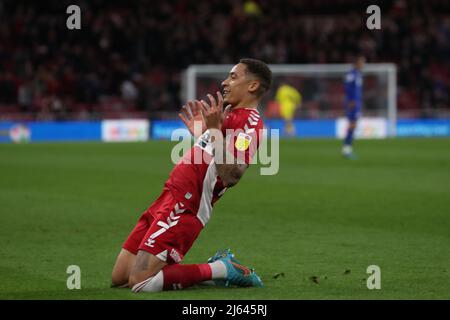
(251, 8)
(40, 60)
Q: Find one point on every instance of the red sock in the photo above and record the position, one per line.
(179, 276)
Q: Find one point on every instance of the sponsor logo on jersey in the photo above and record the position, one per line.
(243, 141)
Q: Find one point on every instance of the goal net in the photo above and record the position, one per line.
(322, 90)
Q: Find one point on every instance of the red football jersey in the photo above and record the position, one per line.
(194, 180)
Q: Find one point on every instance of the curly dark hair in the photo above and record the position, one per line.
(261, 71)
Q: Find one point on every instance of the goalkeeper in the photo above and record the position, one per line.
(289, 100)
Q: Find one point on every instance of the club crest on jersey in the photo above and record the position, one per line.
(243, 141)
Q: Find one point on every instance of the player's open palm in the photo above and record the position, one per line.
(191, 116)
(213, 113)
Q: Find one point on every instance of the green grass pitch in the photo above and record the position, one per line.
(321, 221)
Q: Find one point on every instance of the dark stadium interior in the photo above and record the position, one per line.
(128, 57)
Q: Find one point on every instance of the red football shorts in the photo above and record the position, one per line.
(166, 229)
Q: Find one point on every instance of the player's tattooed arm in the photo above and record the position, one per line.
(213, 115)
(228, 168)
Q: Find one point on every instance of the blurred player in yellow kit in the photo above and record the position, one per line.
(289, 100)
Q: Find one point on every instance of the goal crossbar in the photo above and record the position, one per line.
(330, 69)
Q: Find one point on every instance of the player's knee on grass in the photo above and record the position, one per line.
(119, 279)
(145, 266)
(122, 268)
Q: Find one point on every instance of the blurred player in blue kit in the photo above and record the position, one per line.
(353, 103)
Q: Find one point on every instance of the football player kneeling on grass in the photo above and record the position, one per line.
(230, 124)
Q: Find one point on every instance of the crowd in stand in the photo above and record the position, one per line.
(129, 55)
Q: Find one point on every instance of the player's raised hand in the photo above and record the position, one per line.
(191, 116)
(213, 113)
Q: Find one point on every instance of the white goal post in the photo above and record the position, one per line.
(388, 70)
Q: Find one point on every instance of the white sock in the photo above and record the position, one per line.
(347, 149)
(218, 270)
(152, 284)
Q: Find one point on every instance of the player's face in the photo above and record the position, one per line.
(236, 85)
